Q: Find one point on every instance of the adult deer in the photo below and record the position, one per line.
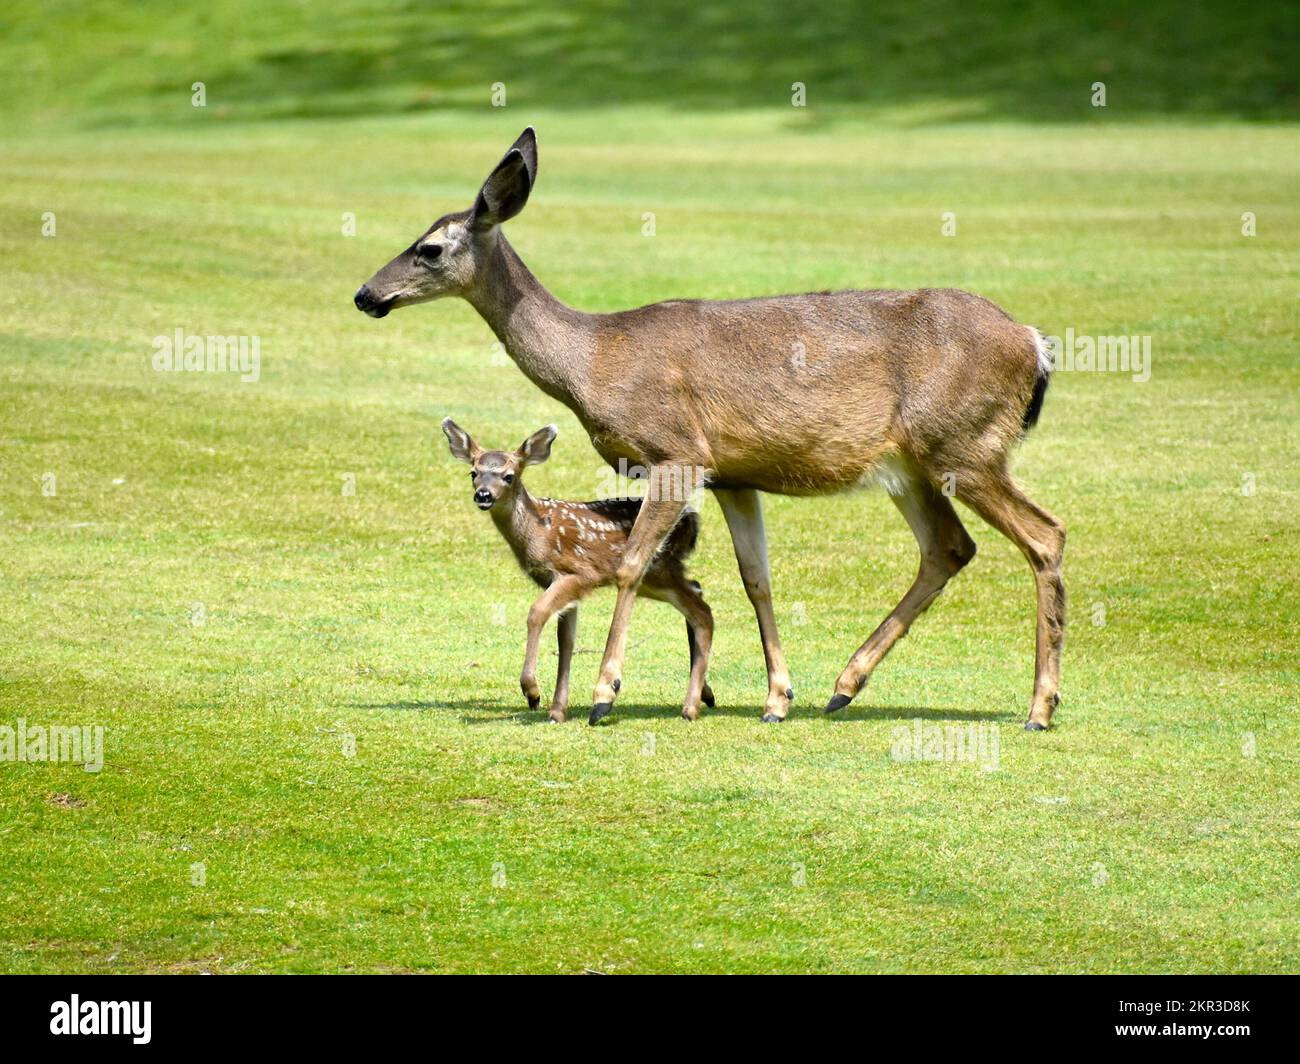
(798, 395)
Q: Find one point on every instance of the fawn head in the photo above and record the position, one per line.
(455, 251)
(497, 475)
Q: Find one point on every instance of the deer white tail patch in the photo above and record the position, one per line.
(1043, 349)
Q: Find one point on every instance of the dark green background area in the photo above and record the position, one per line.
(111, 63)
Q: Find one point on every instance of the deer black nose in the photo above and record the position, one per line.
(366, 301)
(483, 498)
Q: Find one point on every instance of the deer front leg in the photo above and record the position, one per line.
(744, 514)
(562, 591)
(653, 523)
(567, 628)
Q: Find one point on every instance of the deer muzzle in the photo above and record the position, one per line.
(368, 304)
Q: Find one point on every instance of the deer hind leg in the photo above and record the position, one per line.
(655, 520)
(562, 592)
(945, 550)
(744, 514)
(1041, 538)
(567, 630)
(685, 596)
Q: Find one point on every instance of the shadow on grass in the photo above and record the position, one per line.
(490, 711)
(497, 711)
(948, 713)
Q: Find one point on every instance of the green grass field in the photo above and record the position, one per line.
(312, 694)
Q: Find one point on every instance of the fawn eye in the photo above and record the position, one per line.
(473, 474)
(509, 478)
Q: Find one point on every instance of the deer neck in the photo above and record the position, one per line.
(547, 340)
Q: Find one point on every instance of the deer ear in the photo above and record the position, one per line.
(537, 448)
(506, 190)
(462, 446)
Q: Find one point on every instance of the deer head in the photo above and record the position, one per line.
(497, 475)
(454, 252)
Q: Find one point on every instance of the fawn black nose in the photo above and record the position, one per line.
(483, 499)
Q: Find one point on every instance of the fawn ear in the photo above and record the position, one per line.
(506, 190)
(462, 446)
(537, 448)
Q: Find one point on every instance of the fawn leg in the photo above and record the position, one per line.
(699, 629)
(706, 692)
(562, 591)
(567, 630)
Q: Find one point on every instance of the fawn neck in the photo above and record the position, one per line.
(546, 339)
(517, 521)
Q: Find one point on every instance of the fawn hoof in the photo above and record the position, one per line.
(534, 701)
(837, 703)
(1033, 725)
(599, 710)
(772, 718)
(706, 696)
(689, 714)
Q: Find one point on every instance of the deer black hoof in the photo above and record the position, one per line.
(706, 696)
(772, 718)
(599, 710)
(534, 702)
(837, 703)
(1033, 725)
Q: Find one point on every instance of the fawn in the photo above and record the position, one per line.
(571, 548)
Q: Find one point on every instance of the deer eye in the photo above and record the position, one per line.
(473, 473)
(509, 478)
(430, 252)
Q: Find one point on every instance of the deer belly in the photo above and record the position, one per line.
(786, 465)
